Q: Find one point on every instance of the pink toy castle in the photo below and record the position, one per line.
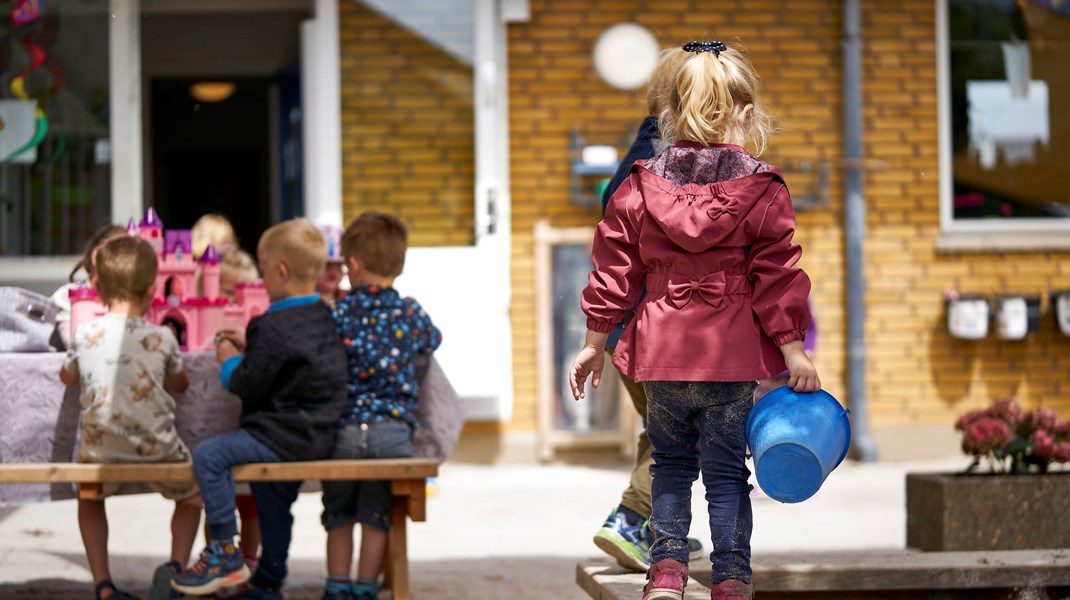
(195, 320)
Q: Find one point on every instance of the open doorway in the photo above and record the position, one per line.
(222, 106)
(212, 156)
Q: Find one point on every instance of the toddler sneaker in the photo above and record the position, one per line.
(628, 543)
(364, 591)
(666, 580)
(248, 591)
(219, 566)
(338, 590)
(695, 551)
(161, 581)
(732, 589)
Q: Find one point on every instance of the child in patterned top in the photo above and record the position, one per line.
(383, 333)
(124, 365)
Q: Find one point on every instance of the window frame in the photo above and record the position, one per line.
(981, 234)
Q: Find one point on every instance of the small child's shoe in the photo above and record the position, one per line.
(161, 581)
(364, 591)
(338, 590)
(627, 542)
(219, 566)
(732, 589)
(248, 591)
(666, 580)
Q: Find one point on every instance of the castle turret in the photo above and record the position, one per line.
(152, 231)
(210, 268)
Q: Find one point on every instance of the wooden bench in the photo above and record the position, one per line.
(867, 575)
(407, 478)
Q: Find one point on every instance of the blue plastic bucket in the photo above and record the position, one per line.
(796, 439)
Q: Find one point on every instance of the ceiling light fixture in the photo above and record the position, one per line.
(212, 91)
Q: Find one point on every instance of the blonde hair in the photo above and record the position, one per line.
(237, 266)
(707, 91)
(660, 83)
(379, 241)
(215, 229)
(126, 269)
(298, 244)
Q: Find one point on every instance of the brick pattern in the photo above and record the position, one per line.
(916, 372)
(407, 129)
(555, 92)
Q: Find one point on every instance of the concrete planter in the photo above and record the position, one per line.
(955, 512)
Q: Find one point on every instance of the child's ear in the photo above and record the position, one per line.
(744, 113)
(353, 266)
(284, 270)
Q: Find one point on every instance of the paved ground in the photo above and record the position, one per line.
(493, 531)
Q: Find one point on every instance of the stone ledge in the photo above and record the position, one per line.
(908, 570)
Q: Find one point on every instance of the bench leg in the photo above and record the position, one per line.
(90, 491)
(399, 548)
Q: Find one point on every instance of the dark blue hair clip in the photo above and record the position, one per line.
(711, 46)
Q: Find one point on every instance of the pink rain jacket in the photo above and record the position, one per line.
(708, 230)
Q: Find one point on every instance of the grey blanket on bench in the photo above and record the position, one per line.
(39, 415)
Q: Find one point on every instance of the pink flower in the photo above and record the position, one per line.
(1041, 418)
(968, 418)
(1043, 444)
(1060, 452)
(985, 435)
(1007, 410)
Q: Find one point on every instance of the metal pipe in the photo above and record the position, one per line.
(854, 231)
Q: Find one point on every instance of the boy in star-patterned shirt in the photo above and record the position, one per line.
(383, 333)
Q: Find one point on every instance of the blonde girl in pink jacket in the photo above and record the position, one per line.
(707, 227)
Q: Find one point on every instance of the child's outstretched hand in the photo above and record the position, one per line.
(234, 336)
(591, 359)
(802, 376)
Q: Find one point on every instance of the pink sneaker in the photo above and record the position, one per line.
(665, 580)
(732, 589)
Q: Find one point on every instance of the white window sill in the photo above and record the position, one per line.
(977, 242)
(36, 269)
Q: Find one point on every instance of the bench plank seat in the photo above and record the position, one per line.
(407, 478)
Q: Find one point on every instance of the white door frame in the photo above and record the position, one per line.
(477, 350)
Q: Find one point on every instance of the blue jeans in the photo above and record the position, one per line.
(366, 502)
(711, 418)
(212, 461)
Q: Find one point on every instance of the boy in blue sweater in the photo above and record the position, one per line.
(383, 333)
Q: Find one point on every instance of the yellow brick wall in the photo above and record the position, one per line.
(555, 92)
(407, 129)
(917, 373)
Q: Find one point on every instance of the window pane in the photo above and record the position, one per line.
(55, 174)
(1010, 87)
(408, 126)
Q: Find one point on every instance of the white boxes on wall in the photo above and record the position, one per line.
(1060, 303)
(967, 318)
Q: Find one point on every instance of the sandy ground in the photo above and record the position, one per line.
(512, 531)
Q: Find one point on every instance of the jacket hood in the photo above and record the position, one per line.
(697, 217)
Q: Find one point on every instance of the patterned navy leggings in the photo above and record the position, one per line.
(689, 420)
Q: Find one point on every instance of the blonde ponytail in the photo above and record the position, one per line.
(707, 90)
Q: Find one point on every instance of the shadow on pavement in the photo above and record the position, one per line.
(510, 578)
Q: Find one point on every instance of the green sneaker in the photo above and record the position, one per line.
(628, 543)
